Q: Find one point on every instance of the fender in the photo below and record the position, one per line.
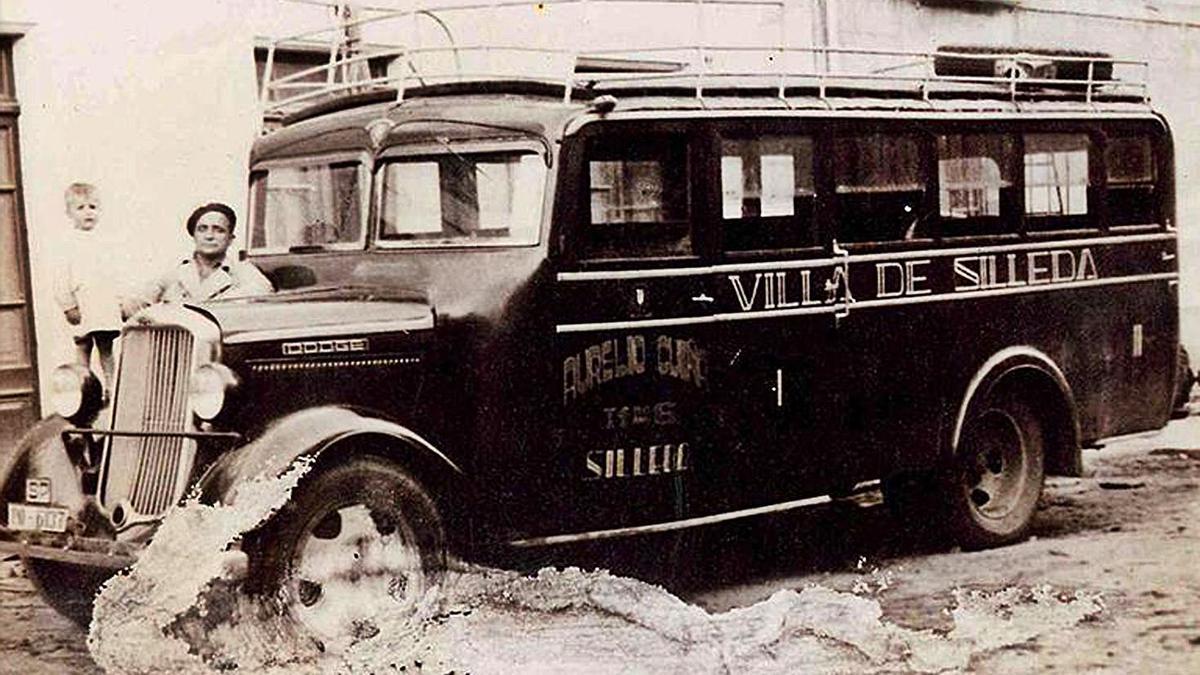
(307, 433)
(1013, 359)
(43, 445)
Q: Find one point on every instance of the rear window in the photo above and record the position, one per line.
(317, 204)
(1132, 177)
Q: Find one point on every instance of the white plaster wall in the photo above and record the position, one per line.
(153, 102)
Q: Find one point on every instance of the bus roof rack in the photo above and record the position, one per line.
(384, 50)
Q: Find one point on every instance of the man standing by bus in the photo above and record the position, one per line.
(208, 274)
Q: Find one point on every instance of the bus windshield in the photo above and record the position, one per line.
(453, 199)
(317, 203)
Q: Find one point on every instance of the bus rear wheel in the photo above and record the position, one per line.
(358, 543)
(992, 489)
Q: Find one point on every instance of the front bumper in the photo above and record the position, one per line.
(84, 451)
(69, 548)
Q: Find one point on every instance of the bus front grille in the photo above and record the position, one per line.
(149, 474)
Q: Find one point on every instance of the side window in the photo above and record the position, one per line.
(308, 205)
(767, 192)
(1131, 174)
(975, 184)
(1057, 181)
(638, 191)
(880, 187)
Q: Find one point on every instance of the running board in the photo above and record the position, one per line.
(655, 528)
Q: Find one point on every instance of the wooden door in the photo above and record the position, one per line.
(18, 368)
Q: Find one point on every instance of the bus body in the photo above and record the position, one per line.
(509, 314)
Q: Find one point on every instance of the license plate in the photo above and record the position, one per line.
(37, 518)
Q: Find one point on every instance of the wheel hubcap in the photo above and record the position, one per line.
(995, 470)
(351, 566)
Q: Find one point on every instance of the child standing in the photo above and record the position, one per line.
(84, 288)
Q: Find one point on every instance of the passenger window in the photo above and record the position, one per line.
(975, 183)
(1056, 181)
(638, 198)
(1130, 165)
(767, 192)
(880, 187)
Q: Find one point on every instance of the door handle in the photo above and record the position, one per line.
(703, 297)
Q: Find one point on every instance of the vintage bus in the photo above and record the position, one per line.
(515, 312)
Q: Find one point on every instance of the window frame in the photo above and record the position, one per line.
(692, 134)
(794, 128)
(1162, 162)
(1006, 226)
(361, 159)
(925, 132)
(1095, 219)
(469, 147)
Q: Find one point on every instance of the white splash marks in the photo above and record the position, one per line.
(176, 578)
(176, 611)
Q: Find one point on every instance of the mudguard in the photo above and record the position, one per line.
(308, 433)
(42, 449)
(1028, 360)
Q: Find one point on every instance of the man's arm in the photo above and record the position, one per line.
(150, 293)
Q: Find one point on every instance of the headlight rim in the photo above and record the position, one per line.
(87, 393)
(222, 380)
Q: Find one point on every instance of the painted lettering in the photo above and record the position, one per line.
(1062, 266)
(1037, 273)
(890, 280)
(745, 302)
(781, 293)
(1055, 266)
(777, 290)
(1087, 266)
(965, 278)
(895, 279)
(681, 359)
(914, 285)
(651, 460)
(601, 363)
(660, 414)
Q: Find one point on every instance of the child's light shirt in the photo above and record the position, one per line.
(88, 281)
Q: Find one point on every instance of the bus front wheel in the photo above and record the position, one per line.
(991, 490)
(358, 542)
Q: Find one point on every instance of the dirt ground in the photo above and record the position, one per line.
(1128, 531)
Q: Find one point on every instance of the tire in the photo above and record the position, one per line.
(69, 589)
(354, 536)
(991, 491)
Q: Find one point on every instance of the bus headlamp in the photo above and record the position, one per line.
(210, 383)
(75, 393)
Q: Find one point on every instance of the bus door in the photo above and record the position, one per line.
(892, 341)
(777, 363)
(633, 307)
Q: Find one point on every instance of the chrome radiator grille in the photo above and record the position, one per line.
(150, 473)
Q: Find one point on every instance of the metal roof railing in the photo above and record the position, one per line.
(698, 63)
